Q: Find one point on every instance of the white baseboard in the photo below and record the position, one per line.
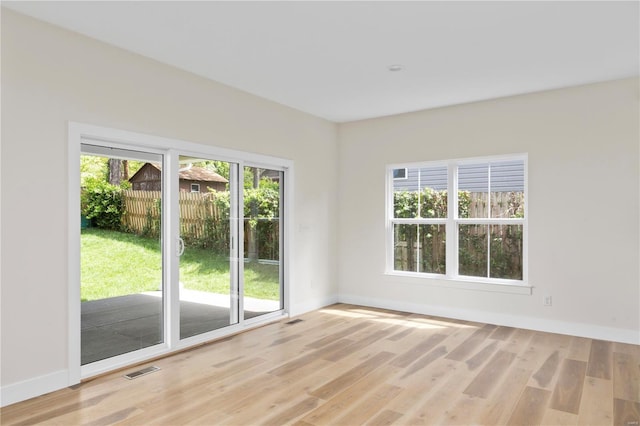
(539, 324)
(312, 305)
(31, 388)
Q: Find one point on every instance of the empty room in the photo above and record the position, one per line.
(320, 213)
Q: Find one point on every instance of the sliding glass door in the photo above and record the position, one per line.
(121, 259)
(262, 225)
(175, 248)
(208, 283)
(216, 288)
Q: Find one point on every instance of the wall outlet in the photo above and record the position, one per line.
(547, 300)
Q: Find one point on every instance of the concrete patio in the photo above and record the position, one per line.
(122, 324)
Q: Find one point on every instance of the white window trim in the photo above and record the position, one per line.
(452, 278)
(195, 185)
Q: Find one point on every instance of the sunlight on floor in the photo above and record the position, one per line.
(442, 322)
(347, 314)
(397, 319)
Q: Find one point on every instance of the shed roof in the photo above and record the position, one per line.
(190, 173)
(200, 173)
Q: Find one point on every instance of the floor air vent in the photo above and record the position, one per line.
(294, 321)
(142, 372)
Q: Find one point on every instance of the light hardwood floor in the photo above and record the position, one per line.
(349, 365)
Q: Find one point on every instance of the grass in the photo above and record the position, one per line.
(118, 263)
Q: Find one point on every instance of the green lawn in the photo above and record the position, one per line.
(117, 263)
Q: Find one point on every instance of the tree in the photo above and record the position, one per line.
(92, 167)
(115, 170)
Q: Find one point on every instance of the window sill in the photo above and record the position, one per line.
(464, 283)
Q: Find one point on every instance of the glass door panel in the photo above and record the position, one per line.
(208, 265)
(262, 272)
(120, 253)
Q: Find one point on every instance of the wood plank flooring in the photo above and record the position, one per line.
(350, 365)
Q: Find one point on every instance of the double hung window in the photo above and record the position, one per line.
(458, 219)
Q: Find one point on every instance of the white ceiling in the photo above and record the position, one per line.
(331, 59)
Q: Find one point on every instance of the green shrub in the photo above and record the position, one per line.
(102, 203)
(153, 223)
(216, 228)
(506, 241)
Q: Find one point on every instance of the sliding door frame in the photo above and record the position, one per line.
(171, 149)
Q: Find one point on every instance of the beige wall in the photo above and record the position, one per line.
(51, 76)
(582, 144)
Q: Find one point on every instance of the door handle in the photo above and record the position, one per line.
(180, 246)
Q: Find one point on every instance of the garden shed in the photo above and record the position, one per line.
(192, 179)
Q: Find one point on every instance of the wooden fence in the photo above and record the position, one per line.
(142, 212)
(203, 223)
(422, 247)
(503, 204)
(141, 209)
